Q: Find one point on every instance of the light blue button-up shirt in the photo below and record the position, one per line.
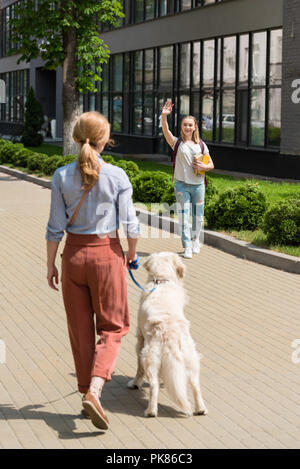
(106, 204)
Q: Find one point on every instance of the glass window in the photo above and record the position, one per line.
(244, 60)
(92, 102)
(196, 64)
(258, 117)
(117, 107)
(184, 106)
(117, 72)
(137, 113)
(148, 113)
(139, 11)
(149, 67)
(185, 65)
(195, 105)
(126, 71)
(229, 61)
(105, 77)
(105, 106)
(207, 115)
(165, 7)
(228, 116)
(166, 68)
(138, 70)
(274, 117)
(185, 5)
(208, 62)
(276, 57)
(259, 58)
(150, 7)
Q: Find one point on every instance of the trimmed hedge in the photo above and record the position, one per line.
(282, 223)
(241, 208)
(153, 187)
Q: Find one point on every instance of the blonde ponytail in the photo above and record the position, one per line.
(91, 131)
(89, 167)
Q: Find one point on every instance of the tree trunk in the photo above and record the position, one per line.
(70, 93)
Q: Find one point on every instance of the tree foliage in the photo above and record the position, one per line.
(39, 26)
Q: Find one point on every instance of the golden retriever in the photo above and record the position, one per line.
(165, 348)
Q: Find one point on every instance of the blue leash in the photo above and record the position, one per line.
(135, 265)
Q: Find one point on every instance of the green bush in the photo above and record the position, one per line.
(49, 165)
(64, 160)
(282, 222)
(35, 161)
(152, 187)
(108, 159)
(241, 208)
(130, 168)
(3, 142)
(210, 190)
(20, 157)
(8, 150)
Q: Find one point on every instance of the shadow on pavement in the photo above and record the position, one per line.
(63, 424)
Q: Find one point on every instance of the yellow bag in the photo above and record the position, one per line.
(203, 159)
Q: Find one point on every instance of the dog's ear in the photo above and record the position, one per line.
(180, 267)
(146, 264)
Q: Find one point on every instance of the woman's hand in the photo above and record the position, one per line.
(199, 166)
(130, 256)
(167, 109)
(52, 274)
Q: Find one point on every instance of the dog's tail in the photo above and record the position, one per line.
(173, 370)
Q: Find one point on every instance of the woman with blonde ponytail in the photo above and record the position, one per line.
(189, 178)
(89, 198)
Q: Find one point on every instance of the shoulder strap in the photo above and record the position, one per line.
(178, 142)
(78, 208)
(201, 143)
(79, 205)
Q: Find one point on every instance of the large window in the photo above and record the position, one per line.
(144, 10)
(16, 87)
(232, 85)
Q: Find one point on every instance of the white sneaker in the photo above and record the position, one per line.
(188, 253)
(196, 246)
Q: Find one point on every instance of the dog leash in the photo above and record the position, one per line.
(135, 265)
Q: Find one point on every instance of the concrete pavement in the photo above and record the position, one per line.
(244, 318)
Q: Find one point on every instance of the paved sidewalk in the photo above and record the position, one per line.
(244, 318)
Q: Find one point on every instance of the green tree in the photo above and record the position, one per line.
(66, 33)
(33, 122)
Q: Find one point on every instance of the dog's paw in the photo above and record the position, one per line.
(201, 412)
(131, 384)
(150, 413)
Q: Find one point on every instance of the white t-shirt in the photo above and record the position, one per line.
(184, 170)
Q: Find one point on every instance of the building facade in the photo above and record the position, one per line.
(233, 64)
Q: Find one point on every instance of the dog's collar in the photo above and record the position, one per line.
(157, 281)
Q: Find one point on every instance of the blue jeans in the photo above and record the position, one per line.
(190, 198)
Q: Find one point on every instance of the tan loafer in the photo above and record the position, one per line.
(94, 410)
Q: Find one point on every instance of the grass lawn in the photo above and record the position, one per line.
(274, 191)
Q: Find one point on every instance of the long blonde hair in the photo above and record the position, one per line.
(196, 135)
(91, 130)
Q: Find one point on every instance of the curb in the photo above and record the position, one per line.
(225, 243)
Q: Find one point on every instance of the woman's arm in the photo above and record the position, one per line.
(52, 272)
(200, 166)
(167, 109)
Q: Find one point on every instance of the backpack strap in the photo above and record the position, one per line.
(201, 143)
(178, 142)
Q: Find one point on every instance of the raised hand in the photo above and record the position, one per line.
(167, 109)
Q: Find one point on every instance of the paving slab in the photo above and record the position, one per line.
(244, 318)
